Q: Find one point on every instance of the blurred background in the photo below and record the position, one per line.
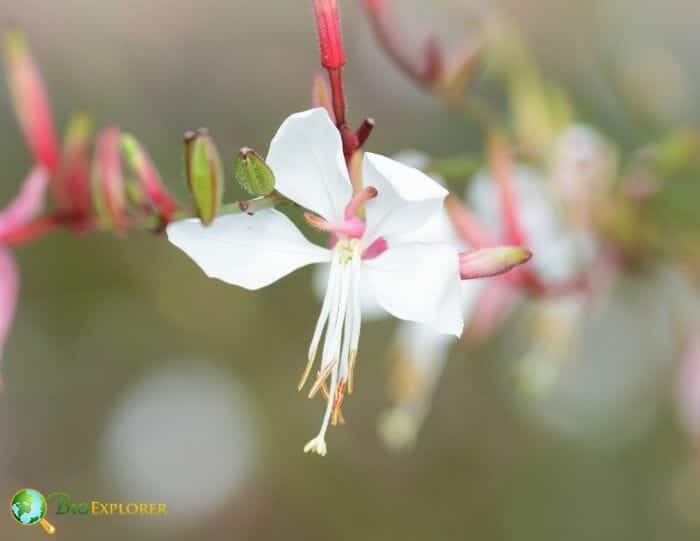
(130, 376)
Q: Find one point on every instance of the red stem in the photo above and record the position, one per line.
(335, 76)
(35, 229)
(348, 136)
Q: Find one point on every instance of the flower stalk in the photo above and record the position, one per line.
(333, 59)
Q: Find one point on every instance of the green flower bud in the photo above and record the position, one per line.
(147, 177)
(205, 174)
(253, 174)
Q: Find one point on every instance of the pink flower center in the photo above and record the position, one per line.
(352, 227)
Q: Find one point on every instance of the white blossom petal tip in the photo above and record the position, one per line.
(306, 156)
(244, 250)
(407, 198)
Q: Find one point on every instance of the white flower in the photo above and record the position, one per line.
(414, 281)
(559, 252)
(420, 353)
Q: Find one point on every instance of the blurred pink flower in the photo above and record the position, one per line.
(689, 388)
(21, 210)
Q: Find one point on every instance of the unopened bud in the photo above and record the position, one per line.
(253, 174)
(30, 101)
(147, 176)
(205, 174)
(73, 177)
(136, 195)
(491, 261)
(330, 39)
(108, 181)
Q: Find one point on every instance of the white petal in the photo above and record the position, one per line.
(407, 197)
(371, 310)
(417, 282)
(306, 156)
(247, 251)
(437, 229)
(448, 317)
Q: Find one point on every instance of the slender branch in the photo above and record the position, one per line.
(250, 206)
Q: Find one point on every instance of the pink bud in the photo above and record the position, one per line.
(9, 289)
(74, 173)
(331, 41)
(27, 204)
(148, 176)
(30, 101)
(491, 261)
(108, 180)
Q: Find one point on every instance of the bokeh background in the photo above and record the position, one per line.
(131, 377)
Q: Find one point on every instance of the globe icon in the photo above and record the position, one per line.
(28, 507)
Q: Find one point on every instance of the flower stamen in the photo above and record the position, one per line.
(307, 371)
(322, 377)
(337, 402)
(326, 396)
(339, 322)
(351, 371)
